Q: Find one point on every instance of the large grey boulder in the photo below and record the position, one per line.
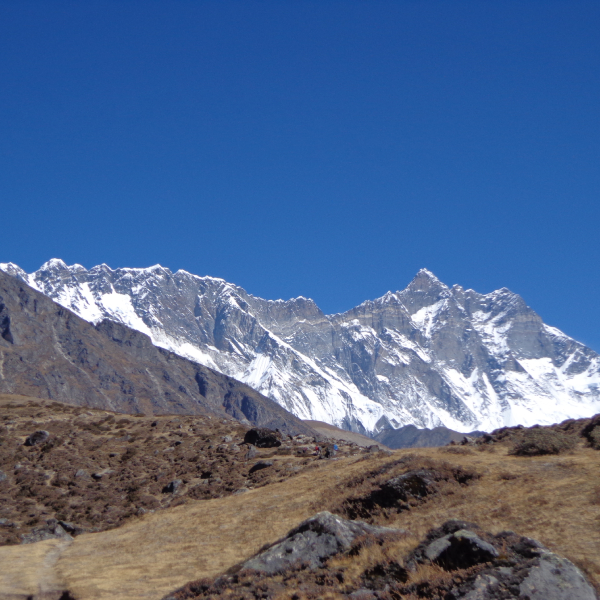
(311, 542)
(556, 578)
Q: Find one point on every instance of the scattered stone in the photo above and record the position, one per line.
(103, 473)
(81, 473)
(71, 529)
(251, 453)
(38, 437)
(2, 475)
(475, 565)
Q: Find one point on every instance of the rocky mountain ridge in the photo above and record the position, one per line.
(428, 355)
(47, 351)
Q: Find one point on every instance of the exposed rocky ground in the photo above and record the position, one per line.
(65, 470)
(330, 557)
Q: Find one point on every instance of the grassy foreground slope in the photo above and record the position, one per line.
(555, 499)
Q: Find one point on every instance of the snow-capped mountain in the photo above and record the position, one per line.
(429, 355)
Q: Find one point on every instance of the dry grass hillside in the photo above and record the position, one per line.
(553, 498)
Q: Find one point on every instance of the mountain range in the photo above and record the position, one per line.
(429, 355)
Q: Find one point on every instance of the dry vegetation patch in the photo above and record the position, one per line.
(398, 486)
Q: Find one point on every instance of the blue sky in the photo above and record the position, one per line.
(326, 149)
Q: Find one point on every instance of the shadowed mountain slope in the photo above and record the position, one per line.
(47, 351)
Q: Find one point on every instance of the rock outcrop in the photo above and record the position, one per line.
(471, 565)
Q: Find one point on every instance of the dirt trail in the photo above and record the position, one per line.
(30, 570)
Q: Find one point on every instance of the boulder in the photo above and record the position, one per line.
(313, 541)
(262, 437)
(38, 437)
(505, 565)
(556, 578)
(460, 550)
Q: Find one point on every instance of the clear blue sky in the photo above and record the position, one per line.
(326, 149)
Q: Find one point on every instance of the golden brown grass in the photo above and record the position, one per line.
(551, 498)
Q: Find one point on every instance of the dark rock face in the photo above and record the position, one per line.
(39, 437)
(263, 438)
(55, 354)
(314, 540)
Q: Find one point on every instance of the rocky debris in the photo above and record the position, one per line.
(38, 437)
(2, 476)
(251, 453)
(53, 529)
(470, 564)
(263, 438)
(71, 528)
(314, 540)
(263, 464)
(495, 567)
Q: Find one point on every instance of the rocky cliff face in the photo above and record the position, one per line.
(46, 351)
(429, 355)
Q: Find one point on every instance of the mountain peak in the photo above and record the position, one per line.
(54, 264)
(426, 281)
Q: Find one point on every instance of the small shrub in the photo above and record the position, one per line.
(538, 442)
(594, 438)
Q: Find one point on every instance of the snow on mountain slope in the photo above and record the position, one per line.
(429, 355)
